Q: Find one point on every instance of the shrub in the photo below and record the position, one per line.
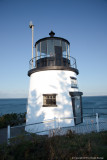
(64, 147)
(12, 119)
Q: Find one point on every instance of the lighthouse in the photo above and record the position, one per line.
(53, 92)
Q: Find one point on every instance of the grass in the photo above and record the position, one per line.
(34, 147)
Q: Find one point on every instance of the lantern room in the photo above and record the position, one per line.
(52, 51)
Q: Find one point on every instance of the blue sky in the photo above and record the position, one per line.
(82, 22)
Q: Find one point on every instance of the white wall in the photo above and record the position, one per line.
(49, 82)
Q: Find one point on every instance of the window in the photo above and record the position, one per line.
(49, 100)
(73, 82)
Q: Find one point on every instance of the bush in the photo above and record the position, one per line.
(34, 147)
(12, 119)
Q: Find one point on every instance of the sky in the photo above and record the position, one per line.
(82, 22)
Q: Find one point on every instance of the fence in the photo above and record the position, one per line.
(94, 123)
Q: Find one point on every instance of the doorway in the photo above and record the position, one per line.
(77, 106)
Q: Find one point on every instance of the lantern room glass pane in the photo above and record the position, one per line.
(43, 48)
(57, 42)
(50, 48)
(63, 48)
(38, 50)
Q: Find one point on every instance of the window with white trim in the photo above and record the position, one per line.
(73, 82)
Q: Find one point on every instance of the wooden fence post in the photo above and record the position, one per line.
(58, 123)
(8, 134)
(97, 121)
(55, 122)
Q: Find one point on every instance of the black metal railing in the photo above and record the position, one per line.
(45, 60)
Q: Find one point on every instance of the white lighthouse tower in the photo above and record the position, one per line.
(53, 90)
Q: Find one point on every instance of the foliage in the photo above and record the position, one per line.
(35, 147)
(12, 119)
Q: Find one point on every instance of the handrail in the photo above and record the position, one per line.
(44, 60)
(52, 120)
